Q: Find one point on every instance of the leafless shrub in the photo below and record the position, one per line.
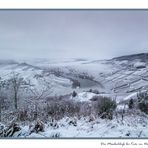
(104, 106)
(74, 94)
(60, 108)
(143, 101)
(86, 109)
(10, 130)
(22, 115)
(131, 104)
(38, 127)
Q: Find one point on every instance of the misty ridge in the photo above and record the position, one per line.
(73, 74)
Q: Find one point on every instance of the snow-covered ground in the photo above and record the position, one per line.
(132, 126)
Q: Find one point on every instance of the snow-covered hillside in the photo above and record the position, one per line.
(79, 80)
(119, 75)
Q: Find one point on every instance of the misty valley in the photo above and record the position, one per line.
(74, 98)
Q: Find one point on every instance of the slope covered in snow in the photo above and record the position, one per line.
(120, 79)
(133, 126)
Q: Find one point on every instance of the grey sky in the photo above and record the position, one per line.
(95, 34)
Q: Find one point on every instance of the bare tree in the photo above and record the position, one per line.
(37, 94)
(44, 91)
(16, 83)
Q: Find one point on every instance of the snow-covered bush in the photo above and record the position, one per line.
(37, 127)
(131, 104)
(74, 94)
(22, 115)
(143, 101)
(2, 127)
(10, 130)
(106, 107)
(86, 109)
(59, 108)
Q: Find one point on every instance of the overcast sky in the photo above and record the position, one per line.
(97, 34)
